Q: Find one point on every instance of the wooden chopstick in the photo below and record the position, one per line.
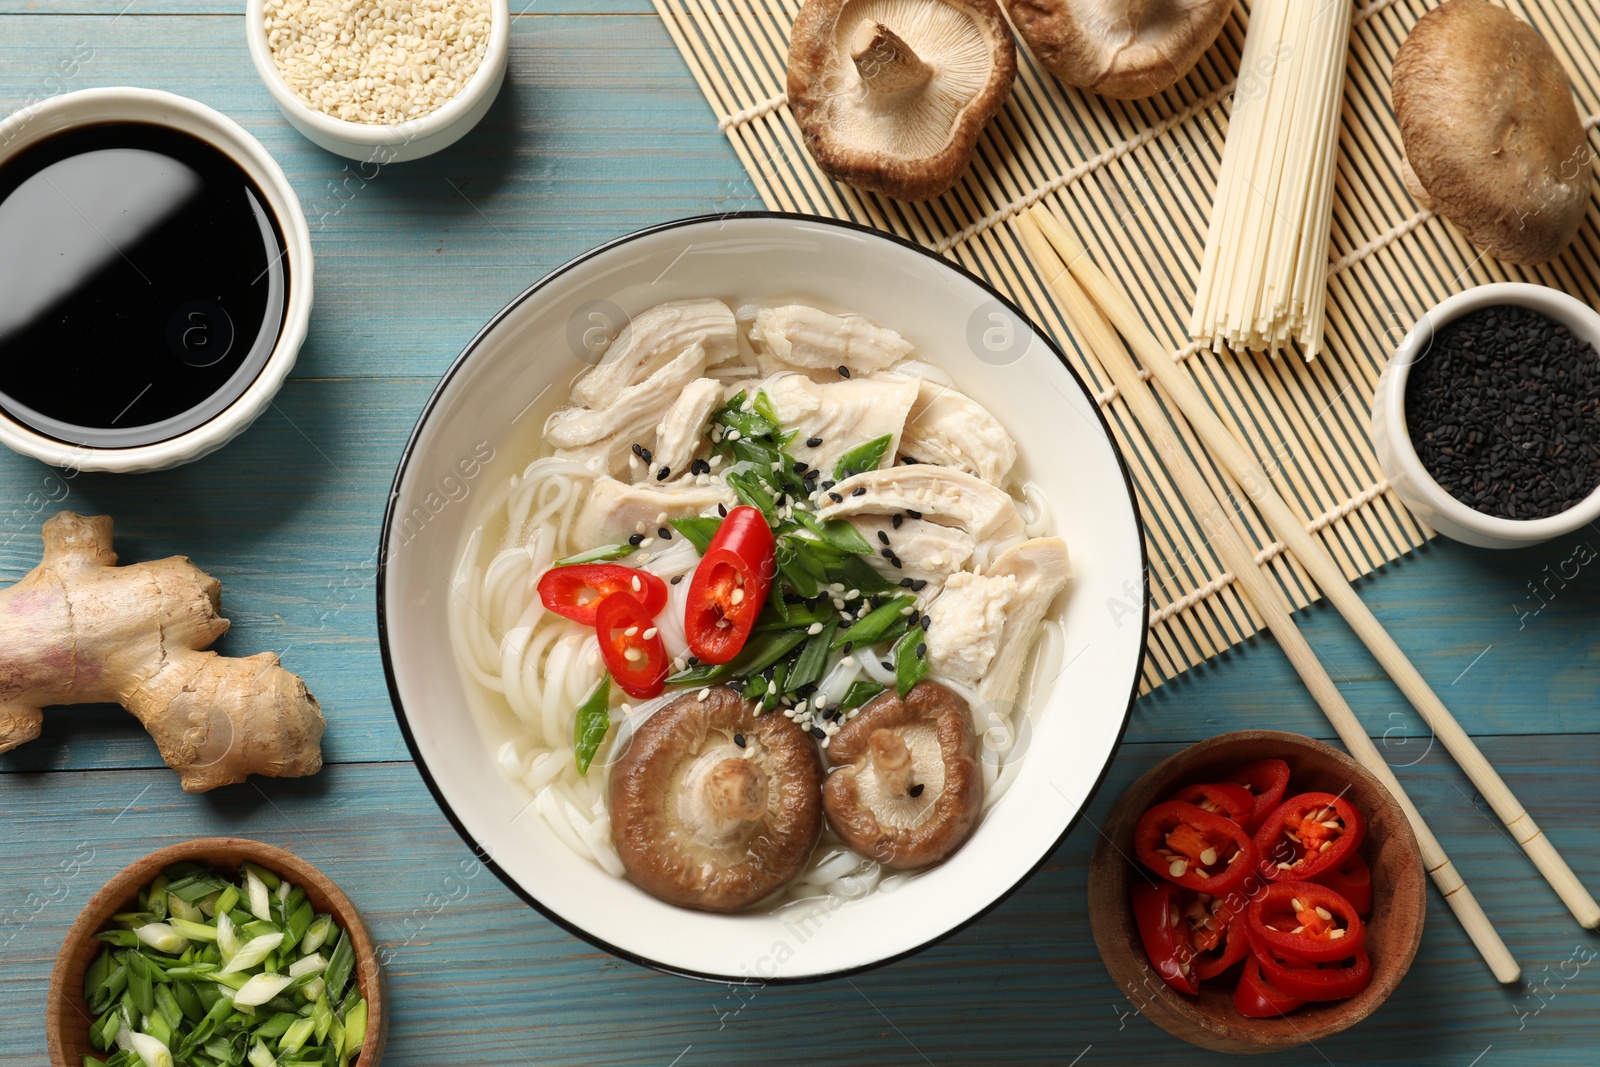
(1114, 302)
(1106, 347)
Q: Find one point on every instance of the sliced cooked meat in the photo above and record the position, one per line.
(941, 495)
(653, 338)
(615, 511)
(805, 338)
(681, 430)
(950, 429)
(840, 415)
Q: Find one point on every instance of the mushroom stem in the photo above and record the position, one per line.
(736, 789)
(887, 64)
(891, 760)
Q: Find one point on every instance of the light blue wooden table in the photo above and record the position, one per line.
(599, 131)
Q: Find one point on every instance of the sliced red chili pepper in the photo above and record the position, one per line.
(631, 646)
(1305, 921)
(1327, 981)
(1309, 834)
(1221, 798)
(1195, 848)
(1155, 913)
(575, 592)
(1352, 880)
(730, 586)
(1256, 998)
(1234, 946)
(1267, 780)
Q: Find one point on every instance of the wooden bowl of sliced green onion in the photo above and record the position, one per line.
(217, 951)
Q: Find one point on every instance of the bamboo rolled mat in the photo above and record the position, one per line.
(1136, 180)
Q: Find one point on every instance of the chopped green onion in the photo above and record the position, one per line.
(813, 659)
(316, 933)
(697, 531)
(860, 691)
(194, 931)
(256, 890)
(340, 963)
(355, 1025)
(260, 1056)
(870, 628)
(592, 724)
(910, 661)
(259, 989)
(863, 457)
(759, 653)
(153, 1052)
(603, 554)
(252, 952)
(837, 533)
(297, 1034)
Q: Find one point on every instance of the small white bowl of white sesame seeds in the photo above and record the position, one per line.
(381, 81)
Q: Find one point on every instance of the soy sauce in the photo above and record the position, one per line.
(143, 280)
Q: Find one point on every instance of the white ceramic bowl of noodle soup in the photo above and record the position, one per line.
(1074, 721)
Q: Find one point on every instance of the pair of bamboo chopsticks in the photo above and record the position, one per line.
(1097, 309)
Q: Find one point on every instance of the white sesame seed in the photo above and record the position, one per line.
(848, 661)
(702, 694)
(814, 629)
(907, 610)
(733, 435)
(800, 708)
(646, 543)
(852, 594)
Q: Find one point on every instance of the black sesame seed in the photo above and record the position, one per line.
(661, 475)
(798, 467)
(883, 537)
(922, 649)
(818, 732)
(909, 460)
(635, 540)
(895, 562)
(906, 583)
(916, 790)
(813, 442)
(638, 450)
(676, 578)
(699, 466)
(1504, 412)
(844, 372)
(886, 553)
(836, 498)
(859, 491)
(738, 739)
(914, 514)
(919, 585)
(829, 484)
(925, 623)
(693, 661)
(886, 665)
(897, 520)
(722, 509)
(644, 454)
(847, 646)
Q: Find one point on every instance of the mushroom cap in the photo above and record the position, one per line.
(1125, 49)
(926, 739)
(881, 123)
(1491, 130)
(702, 822)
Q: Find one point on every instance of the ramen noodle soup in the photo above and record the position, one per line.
(760, 618)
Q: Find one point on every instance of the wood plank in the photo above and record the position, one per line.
(478, 977)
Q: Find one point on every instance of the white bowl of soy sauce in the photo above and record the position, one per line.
(155, 280)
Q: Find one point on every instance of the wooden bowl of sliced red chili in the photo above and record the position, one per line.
(1296, 884)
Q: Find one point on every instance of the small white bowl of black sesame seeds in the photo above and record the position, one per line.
(1487, 419)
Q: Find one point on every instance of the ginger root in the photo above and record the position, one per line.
(78, 629)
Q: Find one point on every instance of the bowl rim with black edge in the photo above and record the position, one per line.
(1116, 936)
(379, 143)
(1391, 436)
(762, 229)
(110, 104)
(65, 1006)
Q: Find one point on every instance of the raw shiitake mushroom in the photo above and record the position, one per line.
(891, 95)
(906, 788)
(1491, 131)
(713, 806)
(1125, 49)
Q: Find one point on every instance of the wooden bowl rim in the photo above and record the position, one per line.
(65, 998)
(1204, 1030)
